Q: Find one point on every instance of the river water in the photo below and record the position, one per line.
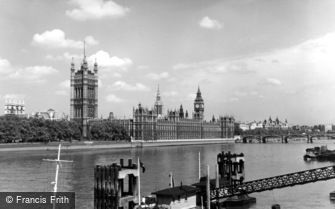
(25, 171)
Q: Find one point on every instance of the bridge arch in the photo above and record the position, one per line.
(264, 138)
(245, 138)
(307, 136)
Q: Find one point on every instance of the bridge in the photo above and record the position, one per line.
(285, 137)
(276, 182)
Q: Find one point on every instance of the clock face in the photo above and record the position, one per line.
(197, 106)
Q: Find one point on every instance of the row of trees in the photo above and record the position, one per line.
(16, 129)
(108, 131)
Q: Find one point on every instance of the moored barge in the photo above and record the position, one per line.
(319, 153)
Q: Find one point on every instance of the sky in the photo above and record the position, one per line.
(251, 58)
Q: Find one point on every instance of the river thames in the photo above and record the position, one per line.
(25, 171)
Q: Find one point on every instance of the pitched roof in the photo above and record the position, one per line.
(177, 191)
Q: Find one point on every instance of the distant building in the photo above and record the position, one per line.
(244, 126)
(275, 124)
(158, 104)
(266, 124)
(253, 125)
(328, 127)
(250, 125)
(199, 108)
(51, 114)
(14, 107)
(84, 95)
(149, 125)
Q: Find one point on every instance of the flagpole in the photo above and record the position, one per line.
(199, 166)
(57, 169)
(208, 190)
(58, 163)
(139, 182)
(217, 176)
(202, 202)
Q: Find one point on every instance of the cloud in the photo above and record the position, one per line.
(237, 66)
(33, 74)
(5, 66)
(121, 85)
(104, 59)
(64, 56)
(247, 94)
(143, 67)
(273, 81)
(117, 75)
(233, 99)
(56, 39)
(96, 9)
(14, 98)
(65, 84)
(209, 23)
(90, 41)
(191, 96)
(170, 93)
(158, 76)
(62, 92)
(114, 99)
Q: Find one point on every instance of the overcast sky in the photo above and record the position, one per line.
(251, 58)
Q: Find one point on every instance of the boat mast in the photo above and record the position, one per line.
(208, 189)
(139, 182)
(58, 163)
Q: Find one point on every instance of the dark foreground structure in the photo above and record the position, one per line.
(227, 189)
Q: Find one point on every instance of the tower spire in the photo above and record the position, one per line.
(84, 60)
(158, 103)
(84, 48)
(158, 93)
(72, 65)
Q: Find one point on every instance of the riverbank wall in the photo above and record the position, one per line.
(109, 145)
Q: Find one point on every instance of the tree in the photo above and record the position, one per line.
(108, 131)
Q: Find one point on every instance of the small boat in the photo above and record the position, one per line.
(319, 153)
(332, 195)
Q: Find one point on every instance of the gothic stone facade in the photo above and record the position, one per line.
(151, 125)
(84, 95)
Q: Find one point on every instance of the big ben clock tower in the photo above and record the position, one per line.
(198, 107)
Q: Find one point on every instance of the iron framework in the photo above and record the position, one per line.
(276, 182)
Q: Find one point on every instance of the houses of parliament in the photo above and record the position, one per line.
(146, 124)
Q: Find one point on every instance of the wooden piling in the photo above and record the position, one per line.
(106, 186)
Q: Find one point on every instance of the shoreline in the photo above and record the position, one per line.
(109, 145)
